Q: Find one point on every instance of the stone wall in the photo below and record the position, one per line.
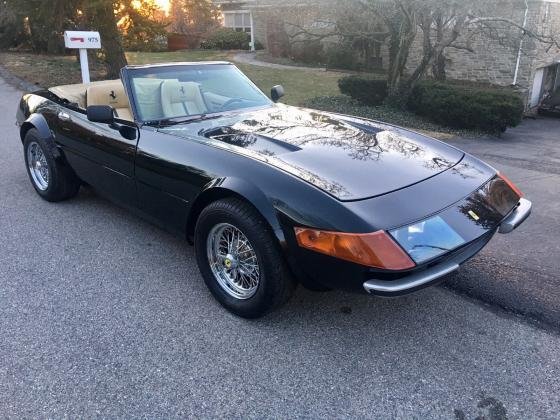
(491, 61)
(495, 61)
(298, 12)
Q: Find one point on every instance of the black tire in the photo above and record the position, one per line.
(62, 181)
(276, 284)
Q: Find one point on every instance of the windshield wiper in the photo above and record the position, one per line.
(430, 246)
(181, 120)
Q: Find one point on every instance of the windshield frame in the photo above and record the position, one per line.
(128, 72)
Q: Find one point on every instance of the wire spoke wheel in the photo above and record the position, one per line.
(233, 261)
(38, 166)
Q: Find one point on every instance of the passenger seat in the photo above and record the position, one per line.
(113, 94)
(181, 98)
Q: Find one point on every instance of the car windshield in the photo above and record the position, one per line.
(178, 91)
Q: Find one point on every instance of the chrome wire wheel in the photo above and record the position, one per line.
(233, 261)
(38, 166)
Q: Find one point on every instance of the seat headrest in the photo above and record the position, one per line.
(107, 94)
(180, 92)
(148, 97)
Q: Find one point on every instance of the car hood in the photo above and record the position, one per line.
(349, 158)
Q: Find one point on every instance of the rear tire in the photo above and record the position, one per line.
(53, 180)
(240, 260)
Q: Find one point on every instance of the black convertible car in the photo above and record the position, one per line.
(268, 194)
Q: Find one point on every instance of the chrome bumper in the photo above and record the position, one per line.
(424, 278)
(517, 216)
(411, 282)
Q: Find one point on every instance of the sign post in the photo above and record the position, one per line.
(82, 40)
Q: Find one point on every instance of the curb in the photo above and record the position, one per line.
(17, 82)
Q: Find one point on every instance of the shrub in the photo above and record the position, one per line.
(368, 91)
(145, 43)
(226, 39)
(308, 52)
(342, 57)
(465, 105)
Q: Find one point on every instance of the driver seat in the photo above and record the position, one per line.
(181, 98)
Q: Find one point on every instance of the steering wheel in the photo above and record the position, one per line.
(230, 102)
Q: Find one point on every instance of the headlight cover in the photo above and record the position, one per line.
(427, 239)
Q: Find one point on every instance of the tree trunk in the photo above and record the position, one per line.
(402, 38)
(102, 16)
(428, 51)
(438, 66)
(55, 43)
(36, 36)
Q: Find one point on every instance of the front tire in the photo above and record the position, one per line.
(239, 259)
(53, 180)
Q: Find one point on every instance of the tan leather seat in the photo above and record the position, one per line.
(147, 93)
(113, 94)
(181, 98)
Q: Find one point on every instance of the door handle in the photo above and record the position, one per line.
(63, 116)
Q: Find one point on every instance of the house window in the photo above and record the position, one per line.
(240, 21)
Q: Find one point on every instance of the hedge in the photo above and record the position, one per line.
(365, 90)
(226, 39)
(464, 105)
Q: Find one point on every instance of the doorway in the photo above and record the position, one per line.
(546, 87)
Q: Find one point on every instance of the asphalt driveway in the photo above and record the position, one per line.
(104, 315)
(521, 271)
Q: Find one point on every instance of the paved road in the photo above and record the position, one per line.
(104, 315)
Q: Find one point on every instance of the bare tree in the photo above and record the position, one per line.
(441, 24)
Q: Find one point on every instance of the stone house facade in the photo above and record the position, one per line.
(522, 61)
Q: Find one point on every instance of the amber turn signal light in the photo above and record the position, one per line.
(510, 184)
(375, 249)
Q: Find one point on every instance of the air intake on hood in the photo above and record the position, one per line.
(262, 144)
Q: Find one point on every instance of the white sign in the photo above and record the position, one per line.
(82, 39)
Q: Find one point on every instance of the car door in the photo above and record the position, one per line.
(169, 176)
(99, 154)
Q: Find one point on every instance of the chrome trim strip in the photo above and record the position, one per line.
(410, 282)
(517, 216)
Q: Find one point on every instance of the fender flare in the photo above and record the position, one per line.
(39, 123)
(232, 186)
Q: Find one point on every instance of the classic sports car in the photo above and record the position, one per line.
(268, 194)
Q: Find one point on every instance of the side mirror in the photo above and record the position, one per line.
(277, 92)
(101, 114)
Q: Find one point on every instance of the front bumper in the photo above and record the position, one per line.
(517, 216)
(431, 275)
(410, 283)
